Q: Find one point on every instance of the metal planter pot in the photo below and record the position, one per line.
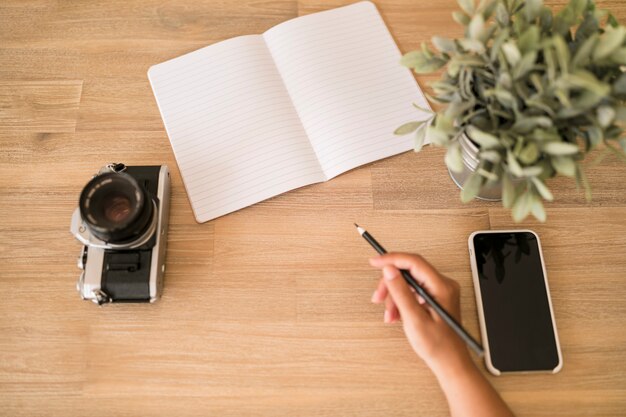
(469, 153)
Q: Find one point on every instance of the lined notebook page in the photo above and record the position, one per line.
(341, 68)
(233, 128)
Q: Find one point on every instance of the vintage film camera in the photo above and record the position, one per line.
(122, 220)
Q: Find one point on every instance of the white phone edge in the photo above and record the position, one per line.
(481, 314)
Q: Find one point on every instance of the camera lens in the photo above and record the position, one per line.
(116, 208)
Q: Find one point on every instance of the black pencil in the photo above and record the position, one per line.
(455, 325)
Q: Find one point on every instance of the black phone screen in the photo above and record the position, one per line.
(515, 301)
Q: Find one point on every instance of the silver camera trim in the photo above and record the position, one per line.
(90, 280)
(81, 232)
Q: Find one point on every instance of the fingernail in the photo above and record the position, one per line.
(387, 317)
(389, 273)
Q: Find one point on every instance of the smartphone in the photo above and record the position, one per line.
(514, 308)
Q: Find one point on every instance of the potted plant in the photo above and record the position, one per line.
(526, 94)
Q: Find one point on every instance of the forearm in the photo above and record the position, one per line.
(468, 392)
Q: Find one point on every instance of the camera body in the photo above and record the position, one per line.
(122, 222)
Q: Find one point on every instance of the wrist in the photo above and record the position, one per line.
(452, 367)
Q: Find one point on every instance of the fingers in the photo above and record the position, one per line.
(403, 298)
(391, 311)
(380, 293)
(419, 268)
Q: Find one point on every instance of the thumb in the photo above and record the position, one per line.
(403, 297)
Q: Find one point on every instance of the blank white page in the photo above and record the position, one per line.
(342, 70)
(233, 128)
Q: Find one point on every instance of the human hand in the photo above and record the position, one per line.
(430, 337)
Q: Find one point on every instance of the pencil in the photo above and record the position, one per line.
(455, 325)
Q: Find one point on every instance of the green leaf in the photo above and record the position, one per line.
(424, 109)
(522, 206)
(467, 6)
(485, 140)
(537, 83)
(610, 40)
(529, 154)
(619, 86)
(504, 97)
(545, 135)
(514, 166)
(527, 124)
(470, 61)
(427, 52)
(606, 115)
(620, 115)
(562, 52)
(511, 53)
(538, 210)
(548, 57)
(504, 80)
(543, 105)
(619, 56)
(589, 26)
(585, 80)
(457, 108)
(532, 9)
(408, 128)
(582, 57)
(577, 7)
(489, 9)
(519, 23)
(418, 141)
(564, 165)
(563, 21)
(413, 58)
(442, 87)
(445, 124)
(595, 135)
(502, 14)
(421, 63)
(471, 187)
(529, 41)
(444, 44)
(453, 158)
(476, 28)
(497, 43)
(525, 65)
(532, 171)
(545, 19)
(473, 45)
(546, 169)
(584, 102)
(487, 174)
(491, 156)
(508, 191)
(461, 18)
(542, 189)
(560, 148)
(436, 136)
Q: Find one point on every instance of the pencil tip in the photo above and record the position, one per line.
(356, 225)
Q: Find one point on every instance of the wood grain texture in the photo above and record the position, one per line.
(265, 311)
(39, 106)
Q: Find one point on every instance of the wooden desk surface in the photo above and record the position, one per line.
(265, 311)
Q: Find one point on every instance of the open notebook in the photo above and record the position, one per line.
(256, 116)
